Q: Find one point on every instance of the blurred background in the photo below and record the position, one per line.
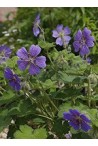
(4, 11)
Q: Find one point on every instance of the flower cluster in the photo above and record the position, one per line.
(34, 63)
(13, 79)
(82, 40)
(61, 34)
(77, 120)
(5, 53)
(31, 59)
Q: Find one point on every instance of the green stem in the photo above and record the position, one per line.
(89, 93)
(42, 33)
(44, 117)
(45, 94)
(43, 110)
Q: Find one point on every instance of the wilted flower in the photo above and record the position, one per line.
(31, 59)
(36, 29)
(61, 33)
(82, 41)
(5, 53)
(14, 80)
(77, 120)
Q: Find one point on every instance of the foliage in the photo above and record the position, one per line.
(67, 82)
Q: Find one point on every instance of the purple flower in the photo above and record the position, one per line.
(77, 120)
(36, 29)
(14, 80)
(61, 33)
(31, 59)
(5, 53)
(83, 41)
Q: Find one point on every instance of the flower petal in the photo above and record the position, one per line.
(7, 51)
(67, 116)
(8, 73)
(84, 50)
(86, 32)
(67, 30)
(22, 64)
(74, 112)
(74, 125)
(85, 127)
(22, 53)
(34, 70)
(2, 48)
(78, 35)
(59, 41)
(12, 84)
(85, 118)
(15, 85)
(76, 46)
(41, 61)
(59, 27)
(36, 31)
(55, 34)
(90, 43)
(37, 17)
(67, 38)
(91, 38)
(17, 78)
(34, 50)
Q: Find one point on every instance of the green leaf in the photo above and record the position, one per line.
(95, 68)
(66, 95)
(26, 132)
(49, 84)
(60, 128)
(23, 108)
(65, 77)
(12, 62)
(40, 133)
(93, 114)
(7, 97)
(45, 45)
(5, 119)
(38, 120)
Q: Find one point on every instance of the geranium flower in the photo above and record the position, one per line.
(62, 35)
(13, 79)
(36, 29)
(5, 53)
(83, 41)
(31, 59)
(77, 120)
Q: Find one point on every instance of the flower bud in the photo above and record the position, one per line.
(93, 79)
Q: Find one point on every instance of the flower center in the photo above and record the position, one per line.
(83, 41)
(31, 59)
(61, 34)
(78, 119)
